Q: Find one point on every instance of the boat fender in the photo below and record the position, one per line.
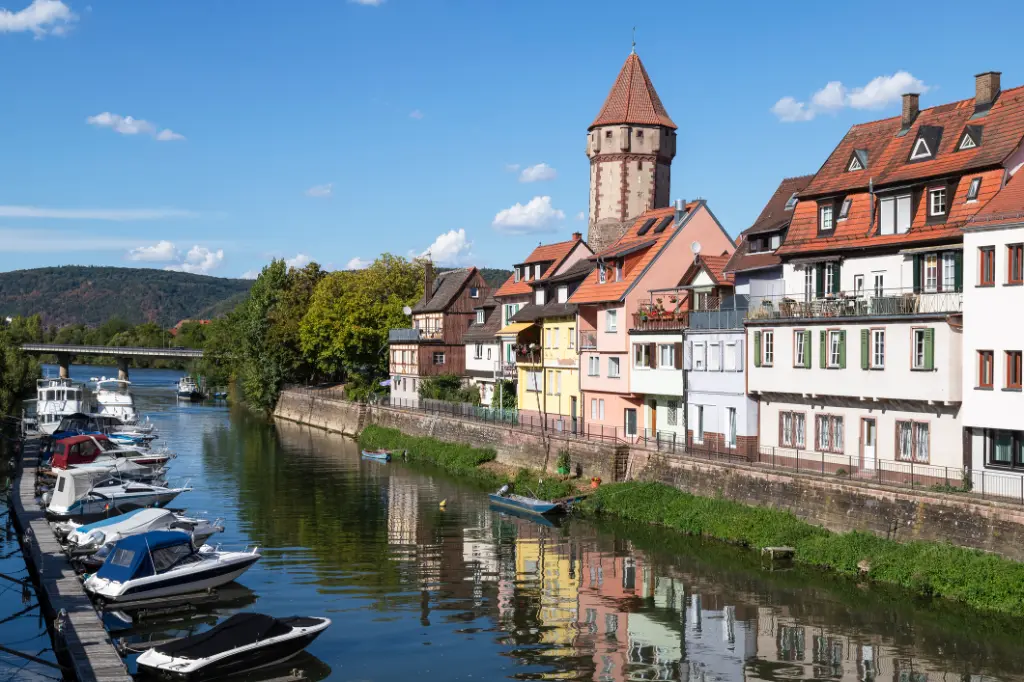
(46, 499)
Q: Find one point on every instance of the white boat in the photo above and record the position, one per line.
(91, 537)
(162, 563)
(96, 451)
(55, 399)
(188, 389)
(113, 397)
(243, 642)
(92, 492)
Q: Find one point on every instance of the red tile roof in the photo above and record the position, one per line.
(715, 265)
(774, 217)
(554, 253)
(636, 262)
(633, 99)
(1006, 208)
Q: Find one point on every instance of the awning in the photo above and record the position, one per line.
(514, 328)
(932, 249)
(816, 260)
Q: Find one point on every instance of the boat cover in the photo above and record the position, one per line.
(138, 556)
(241, 629)
(85, 529)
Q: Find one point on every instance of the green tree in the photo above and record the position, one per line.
(18, 371)
(506, 389)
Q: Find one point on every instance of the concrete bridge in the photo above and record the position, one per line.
(66, 354)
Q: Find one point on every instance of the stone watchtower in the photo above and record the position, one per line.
(631, 145)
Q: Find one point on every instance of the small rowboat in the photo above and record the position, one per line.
(527, 504)
(379, 455)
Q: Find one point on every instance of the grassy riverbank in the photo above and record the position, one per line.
(983, 581)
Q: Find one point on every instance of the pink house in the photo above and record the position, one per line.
(652, 254)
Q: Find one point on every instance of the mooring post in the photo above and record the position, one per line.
(122, 368)
(64, 361)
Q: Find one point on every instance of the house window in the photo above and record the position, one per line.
(666, 356)
(799, 348)
(878, 348)
(931, 272)
(698, 426)
(912, 441)
(937, 202)
(830, 277)
(600, 409)
(894, 214)
(825, 218)
(808, 283)
(1002, 448)
(518, 273)
(730, 422)
(699, 357)
(618, 271)
(775, 241)
(630, 421)
(572, 337)
(593, 408)
(536, 271)
(563, 294)
(791, 202)
(488, 353)
(479, 351)
(1013, 369)
(611, 320)
(1015, 264)
(594, 366)
(948, 271)
(613, 368)
(987, 266)
(922, 348)
(835, 349)
(921, 150)
(538, 297)
(829, 433)
(673, 413)
(768, 348)
(985, 370)
(879, 284)
(534, 378)
(792, 430)
(729, 359)
(438, 358)
(479, 317)
(602, 272)
(474, 292)
(858, 286)
(642, 355)
(844, 210)
(714, 357)
(972, 191)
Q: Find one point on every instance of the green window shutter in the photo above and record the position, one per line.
(842, 349)
(958, 270)
(929, 348)
(808, 349)
(917, 274)
(865, 350)
(824, 350)
(819, 280)
(757, 349)
(836, 278)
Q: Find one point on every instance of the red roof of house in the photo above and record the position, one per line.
(544, 253)
(773, 217)
(715, 265)
(1006, 208)
(633, 99)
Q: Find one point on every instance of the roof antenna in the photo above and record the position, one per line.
(634, 41)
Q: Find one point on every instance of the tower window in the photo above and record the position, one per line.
(639, 165)
(608, 134)
(640, 134)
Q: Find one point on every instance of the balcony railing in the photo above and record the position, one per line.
(403, 336)
(875, 303)
(588, 340)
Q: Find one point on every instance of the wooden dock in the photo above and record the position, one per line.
(83, 645)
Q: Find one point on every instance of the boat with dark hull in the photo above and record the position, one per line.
(243, 642)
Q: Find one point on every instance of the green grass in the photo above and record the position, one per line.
(462, 460)
(983, 581)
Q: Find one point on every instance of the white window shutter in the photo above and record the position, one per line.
(739, 355)
(721, 356)
(688, 355)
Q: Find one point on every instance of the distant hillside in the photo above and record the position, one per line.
(92, 295)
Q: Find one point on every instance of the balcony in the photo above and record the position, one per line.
(527, 353)
(415, 335)
(877, 303)
(588, 340)
(710, 311)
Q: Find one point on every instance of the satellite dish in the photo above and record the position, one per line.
(407, 310)
(695, 247)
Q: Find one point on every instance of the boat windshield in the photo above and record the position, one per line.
(122, 558)
(166, 558)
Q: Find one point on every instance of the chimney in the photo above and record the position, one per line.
(680, 209)
(428, 280)
(910, 109)
(986, 88)
(577, 236)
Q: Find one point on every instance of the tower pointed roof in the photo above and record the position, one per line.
(633, 99)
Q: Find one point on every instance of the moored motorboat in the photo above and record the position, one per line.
(113, 397)
(55, 399)
(379, 455)
(189, 389)
(243, 642)
(163, 563)
(92, 492)
(92, 542)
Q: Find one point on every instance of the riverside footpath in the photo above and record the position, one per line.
(838, 504)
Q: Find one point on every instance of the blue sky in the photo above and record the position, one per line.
(335, 130)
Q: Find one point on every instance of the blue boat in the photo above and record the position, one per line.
(527, 504)
(380, 456)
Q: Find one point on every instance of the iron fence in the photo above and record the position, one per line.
(859, 303)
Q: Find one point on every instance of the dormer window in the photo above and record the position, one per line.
(937, 202)
(926, 146)
(539, 297)
(921, 150)
(474, 292)
(480, 317)
(855, 165)
(858, 160)
(972, 191)
(844, 210)
(825, 223)
(536, 271)
(563, 293)
(791, 203)
(971, 138)
(518, 273)
(968, 143)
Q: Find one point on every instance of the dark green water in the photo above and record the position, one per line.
(421, 593)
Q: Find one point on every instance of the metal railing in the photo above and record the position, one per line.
(873, 303)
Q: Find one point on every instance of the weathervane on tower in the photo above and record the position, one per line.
(634, 41)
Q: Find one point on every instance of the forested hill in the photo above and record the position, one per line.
(74, 294)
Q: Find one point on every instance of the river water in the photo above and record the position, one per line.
(466, 593)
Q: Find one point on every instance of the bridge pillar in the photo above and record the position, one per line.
(64, 361)
(122, 368)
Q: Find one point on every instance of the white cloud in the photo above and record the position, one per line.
(450, 248)
(41, 17)
(357, 263)
(538, 173)
(250, 274)
(877, 94)
(161, 252)
(320, 191)
(368, 3)
(301, 260)
(416, 114)
(199, 260)
(538, 215)
(115, 214)
(581, 216)
(129, 125)
(512, 167)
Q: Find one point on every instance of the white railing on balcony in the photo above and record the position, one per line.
(872, 303)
